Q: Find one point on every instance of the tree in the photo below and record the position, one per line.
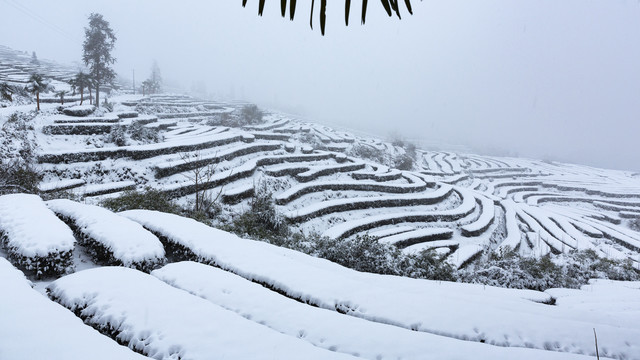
(37, 84)
(98, 45)
(156, 78)
(390, 6)
(147, 85)
(6, 91)
(61, 95)
(153, 84)
(82, 81)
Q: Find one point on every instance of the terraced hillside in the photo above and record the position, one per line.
(16, 67)
(168, 287)
(227, 297)
(340, 185)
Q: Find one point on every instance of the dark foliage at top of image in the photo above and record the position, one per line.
(390, 6)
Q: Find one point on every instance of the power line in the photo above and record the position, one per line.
(30, 13)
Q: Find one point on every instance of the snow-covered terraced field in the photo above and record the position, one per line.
(322, 181)
(543, 207)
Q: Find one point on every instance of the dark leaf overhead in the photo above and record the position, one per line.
(390, 6)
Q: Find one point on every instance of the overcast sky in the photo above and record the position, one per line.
(539, 78)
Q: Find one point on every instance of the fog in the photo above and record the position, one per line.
(557, 80)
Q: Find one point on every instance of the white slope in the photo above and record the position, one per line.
(328, 329)
(33, 327)
(497, 316)
(166, 323)
(17, 213)
(129, 242)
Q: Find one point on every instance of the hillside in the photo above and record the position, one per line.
(294, 192)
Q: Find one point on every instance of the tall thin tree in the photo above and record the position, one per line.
(98, 45)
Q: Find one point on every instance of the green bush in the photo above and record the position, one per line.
(147, 199)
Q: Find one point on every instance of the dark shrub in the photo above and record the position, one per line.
(251, 115)
(368, 152)
(147, 199)
(139, 132)
(403, 162)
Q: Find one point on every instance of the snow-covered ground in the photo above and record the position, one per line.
(262, 301)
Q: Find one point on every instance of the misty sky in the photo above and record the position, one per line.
(538, 78)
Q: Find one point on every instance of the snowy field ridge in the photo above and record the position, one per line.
(111, 239)
(44, 249)
(419, 305)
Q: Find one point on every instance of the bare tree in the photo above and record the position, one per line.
(202, 177)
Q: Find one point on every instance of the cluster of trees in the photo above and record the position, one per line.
(37, 84)
(97, 48)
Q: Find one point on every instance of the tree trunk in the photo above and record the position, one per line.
(81, 96)
(90, 97)
(38, 99)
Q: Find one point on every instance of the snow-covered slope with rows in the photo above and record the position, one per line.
(329, 182)
(223, 296)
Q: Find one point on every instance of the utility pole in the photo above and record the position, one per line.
(134, 81)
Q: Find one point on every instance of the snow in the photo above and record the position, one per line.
(415, 236)
(349, 227)
(328, 329)
(330, 206)
(496, 317)
(98, 189)
(17, 214)
(125, 302)
(60, 185)
(32, 327)
(129, 242)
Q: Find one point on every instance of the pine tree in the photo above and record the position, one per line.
(98, 45)
(156, 78)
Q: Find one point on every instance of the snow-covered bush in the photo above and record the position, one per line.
(250, 115)
(107, 105)
(508, 269)
(261, 221)
(117, 136)
(79, 110)
(222, 119)
(403, 162)
(18, 171)
(147, 199)
(367, 152)
(363, 253)
(145, 135)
